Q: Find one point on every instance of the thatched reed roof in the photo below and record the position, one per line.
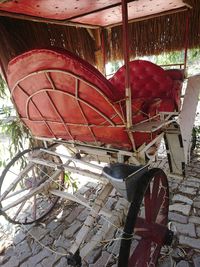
(18, 36)
(156, 35)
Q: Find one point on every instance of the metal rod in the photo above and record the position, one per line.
(186, 41)
(126, 61)
(91, 165)
(103, 48)
(83, 172)
(32, 192)
(99, 203)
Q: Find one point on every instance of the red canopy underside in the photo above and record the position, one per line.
(93, 12)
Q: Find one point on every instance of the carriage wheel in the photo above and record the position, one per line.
(20, 181)
(151, 227)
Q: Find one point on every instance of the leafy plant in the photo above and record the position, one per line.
(196, 136)
(17, 134)
(11, 127)
(70, 182)
(2, 87)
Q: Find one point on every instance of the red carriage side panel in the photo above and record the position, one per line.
(58, 95)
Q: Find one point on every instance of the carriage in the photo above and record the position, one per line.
(84, 118)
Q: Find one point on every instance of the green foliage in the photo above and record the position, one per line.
(196, 137)
(176, 57)
(2, 88)
(10, 127)
(4, 1)
(17, 134)
(70, 182)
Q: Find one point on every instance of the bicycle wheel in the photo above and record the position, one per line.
(151, 227)
(24, 186)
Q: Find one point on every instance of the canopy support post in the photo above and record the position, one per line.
(186, 42)
(126, 61)
(127, 71)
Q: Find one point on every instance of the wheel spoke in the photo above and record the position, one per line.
(147, 205)
(155, 189)
(14, 183)
(16, 193)
(141, 254)
(24, 194)
(19, 210)
(34, 207)
(157, 212)
(156, 205)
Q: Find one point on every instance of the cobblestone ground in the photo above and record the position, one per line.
(45, 244)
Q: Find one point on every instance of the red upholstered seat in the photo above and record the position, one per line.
(153, 90)
(149, 82)
(177, 75)
(59, 95)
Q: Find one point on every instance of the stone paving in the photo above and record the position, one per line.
(45, 244)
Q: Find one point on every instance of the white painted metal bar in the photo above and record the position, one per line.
(78, 199)
(77, 77)
(63, 194)
(154, 141)
(72, 159)
(32, 192)
(93, 175)
(118, 214)
(99, 202)
(151, 126)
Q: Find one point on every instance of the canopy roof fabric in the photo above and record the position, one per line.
(151, 35)
(90, 12)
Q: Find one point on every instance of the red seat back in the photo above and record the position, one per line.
(59, 95)
(147, 80)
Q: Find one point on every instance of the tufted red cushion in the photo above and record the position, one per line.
(159, 105)
(149, 83)
(176, 74)
(147, 80)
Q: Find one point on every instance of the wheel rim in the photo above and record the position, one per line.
(156, 203)
(20, 178)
